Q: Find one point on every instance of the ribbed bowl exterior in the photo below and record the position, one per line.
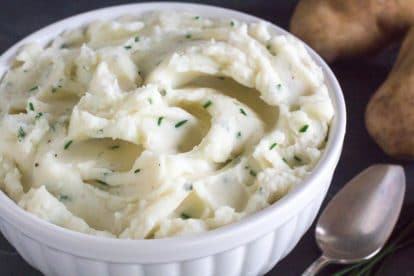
(254, 258)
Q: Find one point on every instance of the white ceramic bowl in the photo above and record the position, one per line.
(249, 247)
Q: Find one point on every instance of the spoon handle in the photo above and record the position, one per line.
(317, 265)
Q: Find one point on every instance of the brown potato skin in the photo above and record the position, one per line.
(339, 29)
(389, 116)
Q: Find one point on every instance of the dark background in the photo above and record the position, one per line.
(358, 78)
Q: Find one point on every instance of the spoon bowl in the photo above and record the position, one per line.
(358, 221)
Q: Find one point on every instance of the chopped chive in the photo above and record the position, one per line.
(115, 147)
(31, 107)
(136, 39)
(304, 128)
(33, 88)
(63, 197)
(63, 46)
(188, 186)
(38, 115)
(284, 160)
(184, 216)
(137, 171)
(163, 92)
(261, 191)
(279, 86)
(21, 133)
(297, 158)
(180, 123)
(188, 36)
(150, 100)
(243, 112)
(196, 17)
(127, 47)
(232, 23)
(100, 131)
(207, 104)
(239, 134)
(67, 145)
(273, 146)
(102, 182)
(160, 120)
(268, 46)
(253, 173)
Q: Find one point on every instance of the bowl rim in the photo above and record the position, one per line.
(192, 246)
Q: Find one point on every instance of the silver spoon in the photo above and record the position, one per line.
(357, 222)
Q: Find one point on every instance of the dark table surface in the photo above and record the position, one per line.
(359, 79)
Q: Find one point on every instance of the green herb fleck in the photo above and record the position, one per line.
(100, 131)
(149, 100)
(304, 128)
(238, 134)
(160, 120)
(127, 47)
(31, 107)
(188, 36)
(297, 158)
(184, 216)
(196, 17)
(63, 46)
(253, 173)
(188, 186)
(163, 92)
(33, 88)
(64, 198)
(137, 171)
(221, 78)
(284, 160)
(261, 191)
(106, 173)
(136, 39)
(115, 147)
(232, 23)
(67, 145)
(38, 115)
(279, 86)
(207, 104)
(243, 112)
(180, 123)
(21, 133)
(273, 146)
(268, 46)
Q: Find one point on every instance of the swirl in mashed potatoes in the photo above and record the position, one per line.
(159, 125)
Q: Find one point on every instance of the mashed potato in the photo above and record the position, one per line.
(158, 126)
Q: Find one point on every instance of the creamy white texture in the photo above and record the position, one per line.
(161, 125)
